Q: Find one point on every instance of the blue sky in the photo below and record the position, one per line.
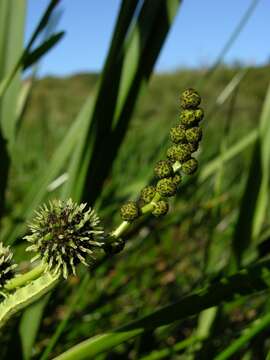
(199, 32)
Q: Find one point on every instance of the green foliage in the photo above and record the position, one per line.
(197, 279)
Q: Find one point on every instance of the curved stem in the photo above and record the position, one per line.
(23, 279)
(146, 209)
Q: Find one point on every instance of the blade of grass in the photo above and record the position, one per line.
(248, 334)
(91, 148)
(41, 50)
(5, 83)
(256, 193)
(124, 20)
(168, 352)
(211, 167)
(57, 163)
(12, 15)
(29, 325)
(144, 45)
(60, 328)
(245, 282)
(233, 37)
(76, 131)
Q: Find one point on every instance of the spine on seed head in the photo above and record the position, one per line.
(7, 266)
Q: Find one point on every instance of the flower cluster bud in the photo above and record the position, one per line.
(130, 211)
(185, 137)
(161, 208)
(163, 169)
(148, 193)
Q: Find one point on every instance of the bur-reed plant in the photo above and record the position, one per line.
(79, 168)
(64, 234)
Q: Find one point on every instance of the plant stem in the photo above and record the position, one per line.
(23, 279)
(146, 209)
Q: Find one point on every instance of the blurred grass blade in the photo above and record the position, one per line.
(41, 50)
(211, 167)
(130, 77)
(263, 196)
(22, 55)
(56, 165)
(77, 130)
(245, 282)
(231, 86)
(105, 103)
(12, 16)
(78, 293)
(259, 325)
(256, 193)
(75, 172)
(29, 325)
(169, 351)
(234, 35)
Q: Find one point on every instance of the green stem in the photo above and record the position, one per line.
(146, 209)
(23, 279)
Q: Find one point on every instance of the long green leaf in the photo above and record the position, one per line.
(12, 15)
(245, 282)
(249, 333)
(256, 193)
(29, 325)
(56, 165)
(234, 150)
(41, 50)
(134, 70)
(17, 62)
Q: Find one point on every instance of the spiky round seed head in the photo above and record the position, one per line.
(166, 187)
(194, 134)
(193, 147)
(177, 179)
(177, 134)
(148, 193)
(129, 211)
(199, 114)
(63, 234)
(190, 99)
(163, 169)
(187, 118)
(161, 208)
(189, 167)
(180, 152)
(6, 265)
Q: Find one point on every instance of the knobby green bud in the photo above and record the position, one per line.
(163, 169)
(190, 166)
(161, 208)
(190, 99)
(148, 193)
(166, 187)
(177, 179)
(129, 211)
(194, 134)
(177, 134)
(65, 234)
(179, 152)
(6, 265)
(188, 118)
(193, 147)
(199, 114)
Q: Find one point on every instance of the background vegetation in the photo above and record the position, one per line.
(84, 137)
